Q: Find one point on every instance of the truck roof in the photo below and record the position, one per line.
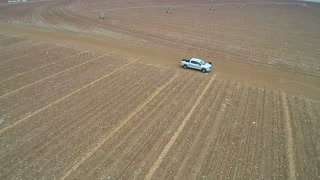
(196, 59)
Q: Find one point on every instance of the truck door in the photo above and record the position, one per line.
(195, 65)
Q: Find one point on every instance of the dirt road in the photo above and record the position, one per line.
(288, 82)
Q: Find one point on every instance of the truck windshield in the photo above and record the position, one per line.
(202, 62)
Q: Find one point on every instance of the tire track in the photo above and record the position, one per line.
(165, 151)
(90, 153)
(290, 140)
(63, 98)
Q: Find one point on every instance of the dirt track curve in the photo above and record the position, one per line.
(282, 81)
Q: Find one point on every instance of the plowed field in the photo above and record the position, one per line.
(85, 98)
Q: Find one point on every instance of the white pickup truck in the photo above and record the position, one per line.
(196, 63)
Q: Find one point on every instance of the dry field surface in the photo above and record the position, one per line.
(282, 36)
(86, 98)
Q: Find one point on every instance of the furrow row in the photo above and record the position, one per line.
(44, 72)
(76, 124)
(24, 102)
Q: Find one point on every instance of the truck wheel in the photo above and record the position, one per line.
(203, 70)
(185, 66)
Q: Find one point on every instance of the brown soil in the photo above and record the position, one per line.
(76, 104)
(282, 81)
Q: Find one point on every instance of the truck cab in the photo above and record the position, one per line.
(195, 63)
